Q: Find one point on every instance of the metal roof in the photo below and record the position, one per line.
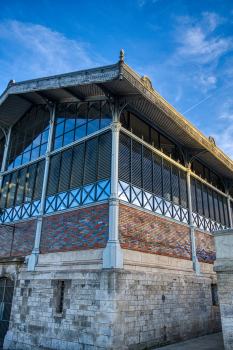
(118, 79)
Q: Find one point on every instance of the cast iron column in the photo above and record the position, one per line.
(36, 250)
(196, 264)
(113, 254)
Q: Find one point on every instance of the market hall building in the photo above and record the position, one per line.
(108, 199)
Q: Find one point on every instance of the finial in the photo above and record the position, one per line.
(122, 55)
(11, 82)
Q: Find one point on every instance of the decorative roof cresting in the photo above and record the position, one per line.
(146, 81)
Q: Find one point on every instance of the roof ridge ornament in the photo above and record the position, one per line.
(212, 140)
(146, 81)
(122, 52)
(11, 82)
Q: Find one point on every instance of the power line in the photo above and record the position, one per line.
(206, 98)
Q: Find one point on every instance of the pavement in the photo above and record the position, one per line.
(208, 342)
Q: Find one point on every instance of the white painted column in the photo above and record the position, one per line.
(229, 209)
(196, 264)
(113, 254)
(4, 159)
(32, 261)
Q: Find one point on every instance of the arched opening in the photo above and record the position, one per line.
(6, 296)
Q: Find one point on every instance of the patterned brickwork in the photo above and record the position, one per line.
(23, 242)
(148, 233)
(205, 247)
(80, 229)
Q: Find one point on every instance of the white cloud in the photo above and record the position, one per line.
(32, 51)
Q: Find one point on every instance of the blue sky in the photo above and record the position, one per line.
(184, 47)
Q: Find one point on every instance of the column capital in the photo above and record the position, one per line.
(115, 126)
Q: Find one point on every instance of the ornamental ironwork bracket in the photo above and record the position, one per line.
(48, 99)
(192, 153)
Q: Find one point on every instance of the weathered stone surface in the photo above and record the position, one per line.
(111, 309)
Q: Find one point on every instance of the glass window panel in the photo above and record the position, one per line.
(231, 192)
(21, 186)
(68, 138)
(199, 197)
(139, 128)
(80, 132)
(4, 190)
(58, 142)
(59, 129)
(94, 111)
(61, 112)
(216, 208)
(30, 182)
(175, 185)
(92, 126)
(12, 188)
(166, 179)
(69, 125)
(124, 119)
(82, 114)
(43, 149)
(36, 141)
(205, 201)
(193, 194)
(155, 138)
(77, 166)
(198, 169)
(211, 203)
(106, 116)
(136, 163)
(167, 146)
(26, 157)
(35, 153)
(39, 179)
(18, 161)
(45, 136)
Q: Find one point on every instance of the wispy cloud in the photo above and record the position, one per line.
(143, 2)
(39, 51)
(197, 40)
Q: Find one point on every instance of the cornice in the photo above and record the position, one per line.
(147, 91)
(97, 75)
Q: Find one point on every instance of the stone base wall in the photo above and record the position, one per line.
(110, 309)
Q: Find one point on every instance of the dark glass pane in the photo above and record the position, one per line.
(9, 282)
(198, 169)
(225, 211)
(21, 186)
(183, 189)
(158, 180)
(155, 138)
(82, 114)
(106, 116)
(65, 168)
(124, 158)
(53, 174)
(104, 156)
(80, 132)
(206, 174)
(211, 203)
(199, 197)
(61, 112)
(30, 182)
(193, 194)
(220, 202)
(4, 190)
(39, 179)
(166, 179)
(147, 170)
(77, 166)
(139, 128)
(124, 119)
(6, 312)
(205, 201)
(93, 126)
(18, 161)
(36, 141)
(12, 189)
(167, 146)
(136, 163)
(175, 185)
(8, 294)
(216, 208)
(1, 297)
(89, 175)
(94, 111)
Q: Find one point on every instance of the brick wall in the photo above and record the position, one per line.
(205, 247)
(23, 242)
(81, 229)
(148, 233)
